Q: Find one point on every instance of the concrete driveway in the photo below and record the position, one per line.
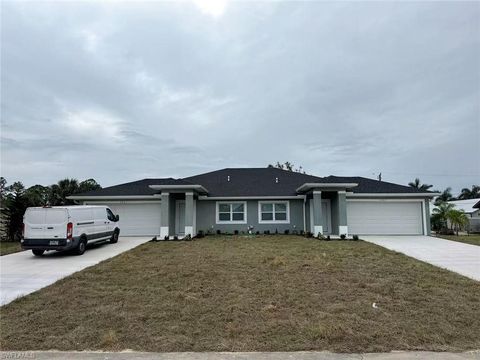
(23, 273)
(451, 255)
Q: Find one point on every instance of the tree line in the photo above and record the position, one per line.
(446, 195)
(15, 199)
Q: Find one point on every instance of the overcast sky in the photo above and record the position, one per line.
(124, 91)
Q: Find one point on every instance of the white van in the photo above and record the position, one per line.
(68, 228)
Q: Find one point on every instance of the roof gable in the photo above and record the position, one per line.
(252, 182)
(248, 182)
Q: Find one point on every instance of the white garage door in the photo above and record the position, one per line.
(384, 217)
(137, 219)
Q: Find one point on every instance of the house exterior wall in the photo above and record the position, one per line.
(206, 218)
(428, 226)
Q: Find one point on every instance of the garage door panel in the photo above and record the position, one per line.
(384, 218)
(137, 219)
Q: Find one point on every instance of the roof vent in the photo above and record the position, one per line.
(228, 178)
(276, 180)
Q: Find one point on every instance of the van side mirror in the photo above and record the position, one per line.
(117, 218)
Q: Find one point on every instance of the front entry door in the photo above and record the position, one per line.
(326, 217)
(180, 217)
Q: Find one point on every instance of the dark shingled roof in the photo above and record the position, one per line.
(251, 182)
(139, 187)
(477, 205)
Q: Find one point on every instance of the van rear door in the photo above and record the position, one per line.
(56, 223)
(45, 223)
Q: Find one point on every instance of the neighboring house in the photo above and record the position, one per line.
(265, 199)
(471, 207)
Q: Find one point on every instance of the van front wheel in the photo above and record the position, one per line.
(81, 247)
(37, 252)
(114, 237)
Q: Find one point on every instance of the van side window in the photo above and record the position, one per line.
(110, 215)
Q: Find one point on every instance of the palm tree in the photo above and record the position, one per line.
(419, 186)
(466, 193)
(61, 190)
(445, 196)
(442, 211)
(458, 219)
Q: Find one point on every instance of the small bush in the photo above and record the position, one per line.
(302, 232)
(236, 232)
(188, 237)
(219, 232)
(257, 233)
(320, 236)
(343, 236)
(355, 237)
(328, 238)
(286, 232)
(175, 237)
(166, 237)
(200, 234)
(309, 234)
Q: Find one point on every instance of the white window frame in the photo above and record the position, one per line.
(260, 221)
(217, 217)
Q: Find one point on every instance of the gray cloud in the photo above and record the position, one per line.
(121, 91)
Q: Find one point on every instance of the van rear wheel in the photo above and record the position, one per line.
(81, 247)
(37, 252)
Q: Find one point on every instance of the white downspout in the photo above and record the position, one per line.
(304, 215)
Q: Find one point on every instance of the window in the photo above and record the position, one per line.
(273, 212)
(234, 212)
(110, 215)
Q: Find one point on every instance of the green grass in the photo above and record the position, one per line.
(9, 248)
(266, 293)
(468, 239)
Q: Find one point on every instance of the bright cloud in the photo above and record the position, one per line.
(214, 8)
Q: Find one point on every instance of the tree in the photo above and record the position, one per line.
(3, 184)
(61, 190)
(419, 186)
(38, 195)
(288, 166)
(3, 210)
(88, 185)
(445, 196)
(466, 193)
(15, 205)
(442, 212)
(458, 219)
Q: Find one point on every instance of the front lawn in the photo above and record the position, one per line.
(468, 239)
(265, 293)
(9, 247)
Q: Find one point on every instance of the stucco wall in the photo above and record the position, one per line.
(206, 218)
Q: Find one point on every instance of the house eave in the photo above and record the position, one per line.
(390, 195)
(291, 197)
(112, 197)
(198, 188)
(311, 186)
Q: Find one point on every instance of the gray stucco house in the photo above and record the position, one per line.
(265, 199)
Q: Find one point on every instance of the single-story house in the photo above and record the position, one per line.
(265, 199)
(471, 207)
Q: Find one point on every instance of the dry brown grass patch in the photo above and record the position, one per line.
(268, 293)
